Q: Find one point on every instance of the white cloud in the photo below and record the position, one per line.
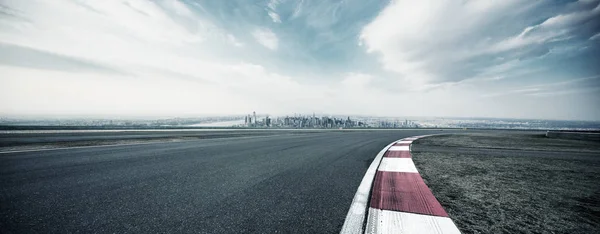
(422, 40)
(298, 9)
(357, 80)
(577, 85)
(178, 8)
(175, 62)
(120, 32)
(556, 28)
(165, 51)
(428, 42)
(163, 76)
(272, 11)
(272, 5)
(234, 41)
(275, 17)
(267, 38)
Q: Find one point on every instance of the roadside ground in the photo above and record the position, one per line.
(513, 182)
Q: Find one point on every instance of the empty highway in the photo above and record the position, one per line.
(288, 183)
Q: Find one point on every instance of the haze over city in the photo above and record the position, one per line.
(506, 59)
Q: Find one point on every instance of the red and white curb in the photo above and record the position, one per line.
(400, 201)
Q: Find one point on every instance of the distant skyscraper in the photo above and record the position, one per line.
(254, 113)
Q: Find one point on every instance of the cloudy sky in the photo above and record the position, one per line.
(455, 58)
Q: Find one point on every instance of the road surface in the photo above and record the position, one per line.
(290, 183)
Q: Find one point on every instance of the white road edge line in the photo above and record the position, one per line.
(198, 130)
(79, 147)
(115, 145)
(356, 215)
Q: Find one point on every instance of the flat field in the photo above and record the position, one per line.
(513, 182)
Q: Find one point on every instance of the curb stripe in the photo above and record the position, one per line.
(400, 200)
(385, 221)
(397, 165)
(403, 142)
(406, 192)
(400, 148)
(397, 154)
(356, 215)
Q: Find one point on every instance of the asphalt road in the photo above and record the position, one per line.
(287, 183)
(91, 137)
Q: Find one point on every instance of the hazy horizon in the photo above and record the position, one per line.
(140, 117)
(516, 59)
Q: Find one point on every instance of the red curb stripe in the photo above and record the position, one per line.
(402, 144)
(406, 192)
(397, 154)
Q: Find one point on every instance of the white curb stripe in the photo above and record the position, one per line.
(397, 165)
(356, 214)
(404, 142)
(386, 221)
(399, 148)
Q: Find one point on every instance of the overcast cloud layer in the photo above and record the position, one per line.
(512, 58)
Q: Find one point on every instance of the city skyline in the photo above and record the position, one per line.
(179, 58)
(296, 121)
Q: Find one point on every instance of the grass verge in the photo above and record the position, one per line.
(516, 193)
